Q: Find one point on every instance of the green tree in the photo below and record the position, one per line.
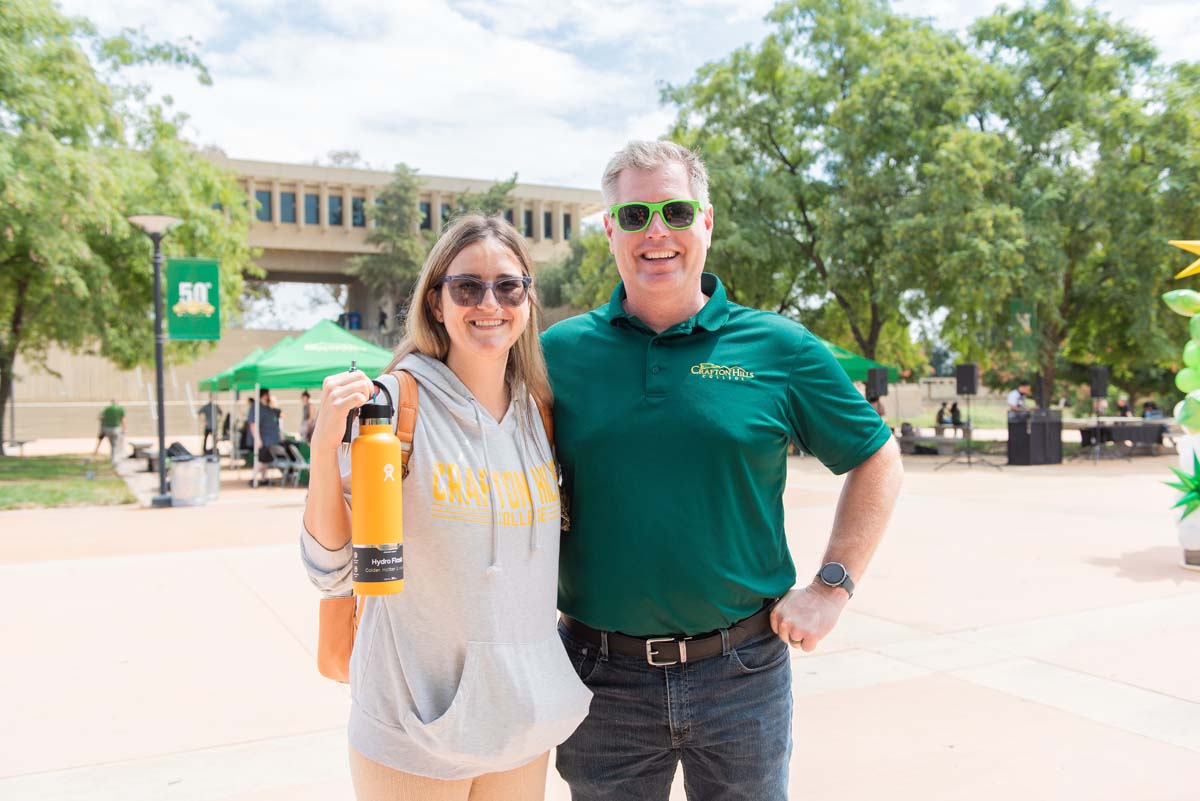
(588, 270)
(815, 140)
(492, 201)
(78, 153)
(391, 273)
(1081, 146)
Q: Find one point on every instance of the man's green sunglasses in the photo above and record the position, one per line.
(634, 217)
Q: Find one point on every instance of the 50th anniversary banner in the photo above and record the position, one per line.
(193, 299)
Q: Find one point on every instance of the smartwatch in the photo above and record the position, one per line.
(833, 574)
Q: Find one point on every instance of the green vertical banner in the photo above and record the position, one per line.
(193, 299)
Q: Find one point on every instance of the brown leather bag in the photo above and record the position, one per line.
(339, 616)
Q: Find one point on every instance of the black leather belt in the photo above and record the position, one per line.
(667, 651)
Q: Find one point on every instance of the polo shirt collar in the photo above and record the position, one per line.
(712, 317)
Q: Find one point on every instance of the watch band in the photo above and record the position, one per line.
(846, 583)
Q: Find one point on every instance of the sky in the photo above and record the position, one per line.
(473, 88)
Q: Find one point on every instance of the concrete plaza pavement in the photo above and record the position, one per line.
(1024, 633)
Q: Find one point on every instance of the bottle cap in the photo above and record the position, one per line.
(369, 412)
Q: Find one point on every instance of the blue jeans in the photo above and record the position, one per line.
(727, 718)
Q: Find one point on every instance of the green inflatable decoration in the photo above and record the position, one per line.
(1189, 485)
(1183, 301)
(1194, 328)
(1187, 413)
(1191, 352)
(1187, 379)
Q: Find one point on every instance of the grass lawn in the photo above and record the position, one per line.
(46, 481)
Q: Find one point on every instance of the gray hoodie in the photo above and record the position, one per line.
(462, 673)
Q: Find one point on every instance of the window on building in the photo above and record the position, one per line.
(566, 226)
(426, 219)
(335, 209)
(547, 225)
(508, 215)
(312, 209)
(358, 212)
(445, 213)
(287, 207)
(528, 222)
(263, 196)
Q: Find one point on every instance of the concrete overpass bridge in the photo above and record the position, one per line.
(311, 220)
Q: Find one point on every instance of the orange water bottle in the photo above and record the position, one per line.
(376, 502)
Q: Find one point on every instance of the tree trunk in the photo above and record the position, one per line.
(1049, 353)
(8, 354)
(6, 365)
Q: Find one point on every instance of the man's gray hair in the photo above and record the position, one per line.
(642, 155)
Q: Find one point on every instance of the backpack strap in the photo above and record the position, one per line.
(547, 416)
(406, 415)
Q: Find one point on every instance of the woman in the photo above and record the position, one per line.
(460, 684)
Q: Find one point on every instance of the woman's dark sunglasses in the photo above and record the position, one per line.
(634, 217)
(467, 290)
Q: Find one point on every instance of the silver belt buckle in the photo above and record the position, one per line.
(651, 653)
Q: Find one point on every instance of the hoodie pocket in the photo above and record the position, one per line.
(514, 701)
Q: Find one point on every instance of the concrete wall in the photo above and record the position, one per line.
(67, 406)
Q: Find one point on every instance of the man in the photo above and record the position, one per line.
(210, 415)
(673, 413)
(112, 428)
(1016, 399)
(264, 435)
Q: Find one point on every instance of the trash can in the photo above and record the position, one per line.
(188, 483)
(212, 476)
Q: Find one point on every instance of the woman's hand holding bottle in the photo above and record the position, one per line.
(340, 393)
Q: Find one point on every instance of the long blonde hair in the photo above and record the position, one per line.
(526, 368)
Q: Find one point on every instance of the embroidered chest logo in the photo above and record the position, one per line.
(721, 372)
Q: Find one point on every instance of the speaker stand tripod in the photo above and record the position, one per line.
(968, 456)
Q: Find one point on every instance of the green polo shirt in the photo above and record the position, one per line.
(111, 417)
(674, 450)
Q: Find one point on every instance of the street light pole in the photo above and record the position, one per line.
(156, 227)
(163, 498)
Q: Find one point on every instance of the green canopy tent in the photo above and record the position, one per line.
(306, 361)
(222, 381)
(856, 366)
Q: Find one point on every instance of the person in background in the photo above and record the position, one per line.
(956, 417)
(942, 420)
(209, 414)
(306, 416)
(1016, 398)
(1123, 409)
(112, 427)
(264, 435)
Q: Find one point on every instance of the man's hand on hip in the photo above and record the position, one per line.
(804, 616)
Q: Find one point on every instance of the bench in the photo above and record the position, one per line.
(141, 450)
(945, 445)
(939, 430)
(19, 444)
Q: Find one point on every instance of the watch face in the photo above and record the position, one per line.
(833, 574)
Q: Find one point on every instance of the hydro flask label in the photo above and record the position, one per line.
(378, 563)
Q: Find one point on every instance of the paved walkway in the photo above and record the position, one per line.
(1021, 634)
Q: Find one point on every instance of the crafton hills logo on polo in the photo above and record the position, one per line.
(721, 372)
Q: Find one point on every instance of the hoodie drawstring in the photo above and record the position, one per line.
(493, 497)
